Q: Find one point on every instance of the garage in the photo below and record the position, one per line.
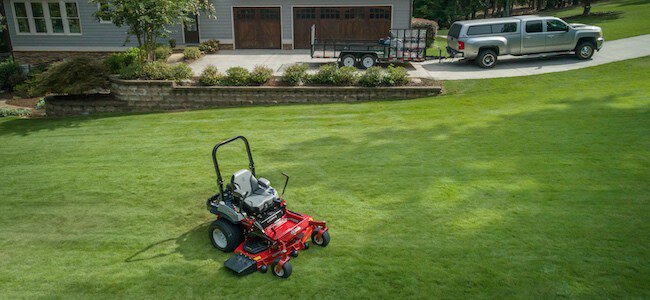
(257, 27)
(337, 23)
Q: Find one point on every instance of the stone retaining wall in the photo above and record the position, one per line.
(147, 96)
(163, 95)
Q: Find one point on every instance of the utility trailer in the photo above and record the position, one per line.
(400, 45)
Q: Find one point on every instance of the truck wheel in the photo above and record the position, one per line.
(585, 50)
(225, 236)
(368, 61)
(348, 60)
(486, 59)
(283, 272)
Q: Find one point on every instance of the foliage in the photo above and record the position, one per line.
(11, 74)
(74, 76)
(130, 72)
(118, 61)
(209, 46)
(210, 76)
(346, 76)
(261, 75)
(156, 70)
(181, 71)
(40, 104)
(396, 76)
(295, 74)
(26, 90)
(191, 53)
(430, 26)
(326, 74)
(372, 77)
(237, 76)
(162, 52)
(20, 112)
(148, 20)
(172, 43)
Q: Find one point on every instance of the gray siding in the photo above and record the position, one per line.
(95, 36)
(221, 28)
(98, 36)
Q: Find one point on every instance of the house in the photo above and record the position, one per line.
(46, 30)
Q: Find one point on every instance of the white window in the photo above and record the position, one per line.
(47, 17)
(101, 7)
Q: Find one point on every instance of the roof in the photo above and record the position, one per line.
(498, 20)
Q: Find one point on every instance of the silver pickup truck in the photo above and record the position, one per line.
(484, 40)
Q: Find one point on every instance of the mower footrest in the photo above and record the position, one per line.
(241, 264)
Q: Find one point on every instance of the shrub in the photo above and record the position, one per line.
(117, 61)
(210, 76)
(75, 76)
(162, 52)
(181, 71)
(396, 76)
(372, 77)
(295, 74)
(133, 71)
(261, 75)
(326, 74)
(21, 112)
(11, 74)
(26, 90)
(237, 76)
(191, 53)
(429, 25)
(172, 43)
(209, 46)
(40, 104)
(156, 70)
(346, 76)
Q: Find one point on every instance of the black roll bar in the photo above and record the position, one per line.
(251, 164)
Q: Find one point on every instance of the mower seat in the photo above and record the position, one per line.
(257, 195)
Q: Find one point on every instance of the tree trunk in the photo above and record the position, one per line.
(587, 8)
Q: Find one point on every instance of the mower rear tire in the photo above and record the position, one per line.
(225, 236)
(284, 272)
(323, 241)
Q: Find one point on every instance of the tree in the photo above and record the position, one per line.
(587, 7)
(150, 19)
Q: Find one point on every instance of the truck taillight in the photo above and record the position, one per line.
(461, 45)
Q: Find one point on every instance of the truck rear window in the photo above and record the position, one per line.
(454, 31)
(479, 30)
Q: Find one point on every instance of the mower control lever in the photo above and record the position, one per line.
(285, 184)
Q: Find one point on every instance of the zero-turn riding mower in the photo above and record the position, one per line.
(253, 220)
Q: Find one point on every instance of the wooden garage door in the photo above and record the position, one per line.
(337, 23)
(257, 27)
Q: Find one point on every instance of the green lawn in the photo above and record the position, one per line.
(629, 18)
(528, 187)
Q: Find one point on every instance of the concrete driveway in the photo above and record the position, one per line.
(508, 66)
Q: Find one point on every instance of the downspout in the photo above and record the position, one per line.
(411, 13)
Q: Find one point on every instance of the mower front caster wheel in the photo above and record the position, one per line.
(225, 236)
(322, 241)
(283, 272)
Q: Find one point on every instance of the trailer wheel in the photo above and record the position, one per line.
(324, 239)
(348, 60)
(368, 61)
(225, 236)
(283, 272)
